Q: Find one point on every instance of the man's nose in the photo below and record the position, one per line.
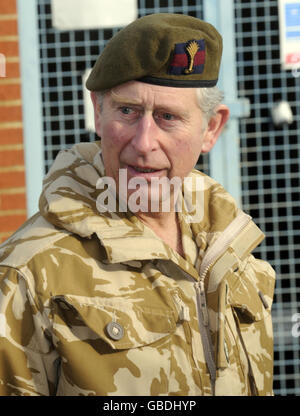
(145, 137)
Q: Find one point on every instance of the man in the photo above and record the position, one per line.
(106, 291)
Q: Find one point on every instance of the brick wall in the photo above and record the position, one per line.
(12, 171)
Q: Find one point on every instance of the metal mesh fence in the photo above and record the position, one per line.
(270, 172)
(269, 156)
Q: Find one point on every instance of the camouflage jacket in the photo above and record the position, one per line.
(98, 304)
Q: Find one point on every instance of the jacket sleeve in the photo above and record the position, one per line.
(27, 356)
(252, 299)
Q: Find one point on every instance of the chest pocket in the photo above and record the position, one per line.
(138, 326)
(112, 346)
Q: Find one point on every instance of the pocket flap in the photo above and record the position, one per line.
(139, 325)
(247, 299)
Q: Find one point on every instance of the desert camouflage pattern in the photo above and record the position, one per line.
(69, 272)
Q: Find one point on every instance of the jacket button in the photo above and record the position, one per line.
(115, 331)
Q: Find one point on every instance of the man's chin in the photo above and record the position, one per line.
(149, 200)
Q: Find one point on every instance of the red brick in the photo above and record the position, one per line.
(12, 70)
(3, 238)
(11, 222)
(9, 48)
(8, 27)
(10, 92)
(8, 7)
(11, 157)
(12, 201)
(12, 179)
(11, 136)
(11, 113)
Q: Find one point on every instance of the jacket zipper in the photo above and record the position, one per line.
(223, 242)
(205, 334)
(212, 254)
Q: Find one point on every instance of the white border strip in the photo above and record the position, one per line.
(31, 101)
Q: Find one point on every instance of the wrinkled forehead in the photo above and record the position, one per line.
(139, 93)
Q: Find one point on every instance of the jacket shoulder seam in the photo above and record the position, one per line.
(18, 266)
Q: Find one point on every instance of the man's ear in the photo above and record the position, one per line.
(96, 106)
(215, 127)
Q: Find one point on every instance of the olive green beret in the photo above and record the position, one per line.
(164, 49)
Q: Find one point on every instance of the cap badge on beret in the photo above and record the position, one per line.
(188, 58)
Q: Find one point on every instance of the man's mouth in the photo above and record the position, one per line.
(144, 170)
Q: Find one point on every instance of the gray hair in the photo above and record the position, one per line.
(100, 97)
(208, 100)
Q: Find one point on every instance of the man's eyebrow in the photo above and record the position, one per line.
(172, 109)
(119, 99)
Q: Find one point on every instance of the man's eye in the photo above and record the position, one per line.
(167, 116)
(126, 110)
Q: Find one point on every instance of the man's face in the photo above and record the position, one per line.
(151, 131)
